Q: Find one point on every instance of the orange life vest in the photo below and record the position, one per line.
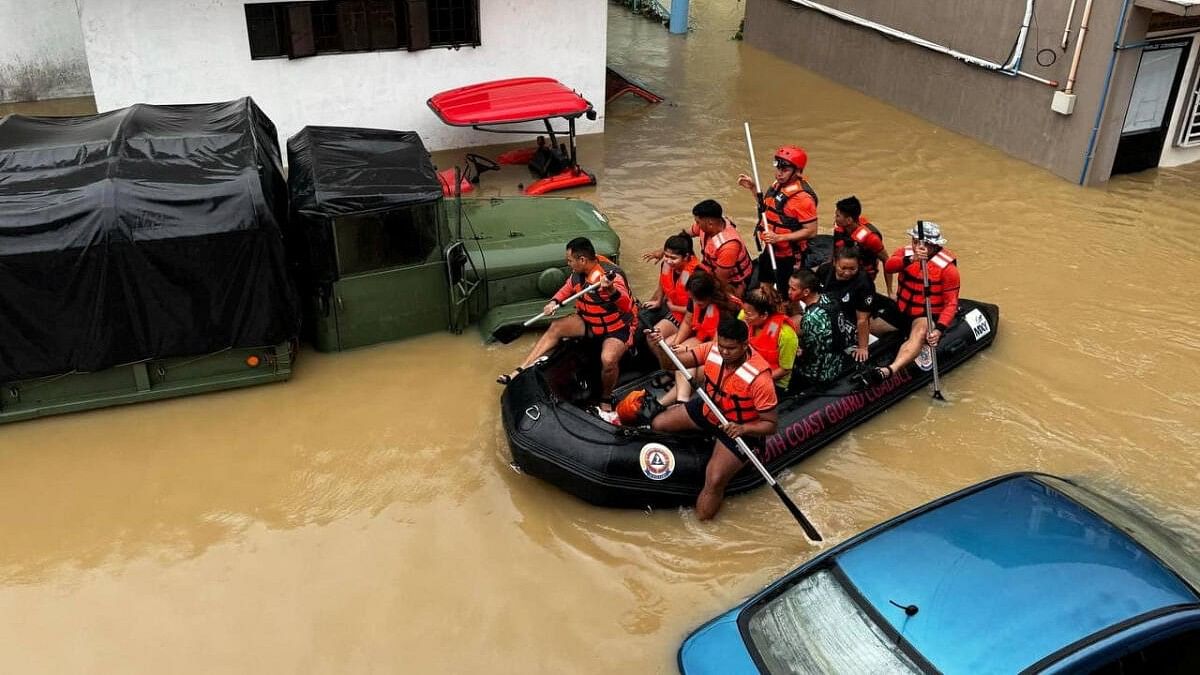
(765, 338)
(728, 237)
(774, 201)
(730, 389)
(674, 284)
(705, 325)
(603, 311)
(910, 292)
(869, 241)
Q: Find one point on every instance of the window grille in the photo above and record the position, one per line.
(1189, 126)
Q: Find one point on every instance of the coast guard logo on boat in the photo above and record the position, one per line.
(925, 358)
(657, 461)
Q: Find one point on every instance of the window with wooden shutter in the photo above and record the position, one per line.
(352, 25)
(302, 29)
(418, 24)
(385, 18)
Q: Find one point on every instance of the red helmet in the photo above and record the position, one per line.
(794, 155)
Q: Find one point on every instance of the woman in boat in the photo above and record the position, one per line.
(709, 301)
(678, 263)
(772, 334)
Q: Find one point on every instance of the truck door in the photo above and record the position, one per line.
(392, 275)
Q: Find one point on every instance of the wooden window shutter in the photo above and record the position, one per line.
(418, 24)
(352, 25)
(300, 31)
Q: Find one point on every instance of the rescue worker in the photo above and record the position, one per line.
(851, 228)
(823, 341)
(844, 280)
(907, 314)
(739, 381)
(710, 301)
(678, 264)
(771, 334)
(605, 314)
(790, 207)
(722, 250)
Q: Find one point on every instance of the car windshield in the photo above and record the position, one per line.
(816, 627)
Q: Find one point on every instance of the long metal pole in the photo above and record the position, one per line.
(762, 218)
(937, 380)
(809, 529)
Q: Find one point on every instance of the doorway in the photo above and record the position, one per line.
(1149, 115)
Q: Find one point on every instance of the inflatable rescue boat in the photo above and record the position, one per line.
(554, 434)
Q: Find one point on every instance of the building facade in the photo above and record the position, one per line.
(365, 63)
(41, 51)
(1002, 72)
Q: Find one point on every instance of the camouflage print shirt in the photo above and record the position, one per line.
(822, 356)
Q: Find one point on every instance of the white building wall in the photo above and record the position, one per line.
(1172, 154)
(41, 51)
(189, 51)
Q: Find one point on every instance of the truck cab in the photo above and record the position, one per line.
(382, 254)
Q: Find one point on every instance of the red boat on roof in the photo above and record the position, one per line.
(513, 101)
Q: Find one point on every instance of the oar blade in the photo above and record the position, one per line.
(810, 530)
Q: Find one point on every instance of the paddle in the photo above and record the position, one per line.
(511, 331)
(762, 216)
(809, 529)
(937, 380)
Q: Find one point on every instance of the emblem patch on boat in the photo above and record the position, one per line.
(925, 358)
(657, 461)
(978, 323)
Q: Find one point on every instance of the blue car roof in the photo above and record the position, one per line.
(1007, 575)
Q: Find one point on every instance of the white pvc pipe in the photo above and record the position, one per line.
(1083, 27)
(1014, 62)
(1067, 29)
(919, 41)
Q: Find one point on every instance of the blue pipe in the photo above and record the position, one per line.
(679, 17)
(1112, 62)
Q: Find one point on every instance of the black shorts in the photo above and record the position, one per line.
(624, 334)
(695, 411)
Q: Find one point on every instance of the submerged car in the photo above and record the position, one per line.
(1024, 573)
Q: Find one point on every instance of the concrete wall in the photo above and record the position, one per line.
(1174, 155)
(183, 51)
(41, 51)
(1011, 113)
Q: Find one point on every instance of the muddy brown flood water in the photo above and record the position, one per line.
(363, 517)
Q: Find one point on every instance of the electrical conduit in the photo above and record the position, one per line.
(1112, 62)
(1009, 69)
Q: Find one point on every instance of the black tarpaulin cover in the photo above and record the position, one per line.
(335, 171)
(147, 232)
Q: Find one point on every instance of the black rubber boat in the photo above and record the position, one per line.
(555, 437)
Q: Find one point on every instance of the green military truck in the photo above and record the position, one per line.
(385, 254)
(150, 252)
(141, 257)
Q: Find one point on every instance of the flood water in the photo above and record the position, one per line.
(363, 517)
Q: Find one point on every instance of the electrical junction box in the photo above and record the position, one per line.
(1063, 103)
